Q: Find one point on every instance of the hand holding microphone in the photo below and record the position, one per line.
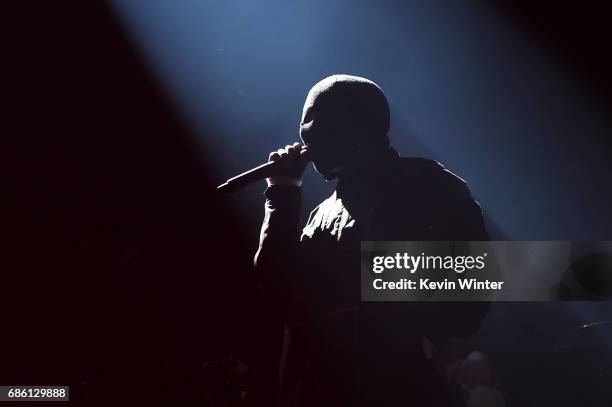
(284, 167)
(292, 159)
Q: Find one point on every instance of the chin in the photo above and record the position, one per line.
(327, 174)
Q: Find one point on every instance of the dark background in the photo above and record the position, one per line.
(124, 273)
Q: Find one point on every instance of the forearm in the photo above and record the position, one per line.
(279, 236)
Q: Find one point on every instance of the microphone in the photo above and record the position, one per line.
(266, 170)
(263, 171)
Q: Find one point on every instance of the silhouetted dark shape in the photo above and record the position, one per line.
(338, 351)
(589, 276)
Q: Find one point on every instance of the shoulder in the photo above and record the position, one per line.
(427, 201)
(423, 179)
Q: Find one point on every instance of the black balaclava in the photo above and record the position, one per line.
(345, 119)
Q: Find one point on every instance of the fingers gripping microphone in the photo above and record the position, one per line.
(266, 170)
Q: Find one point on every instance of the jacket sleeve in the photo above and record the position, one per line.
(278, 242)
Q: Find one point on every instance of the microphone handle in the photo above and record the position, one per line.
(248, 177)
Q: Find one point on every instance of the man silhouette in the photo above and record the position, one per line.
(338, 351)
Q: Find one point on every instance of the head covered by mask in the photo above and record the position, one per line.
(344, 119)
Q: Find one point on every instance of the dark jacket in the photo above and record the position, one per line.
(337, 350)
